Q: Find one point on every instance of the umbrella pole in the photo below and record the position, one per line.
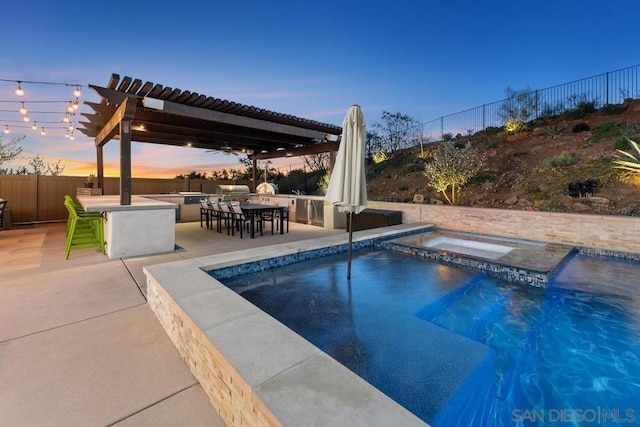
(350, 218)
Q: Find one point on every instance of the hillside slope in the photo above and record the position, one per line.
(513, 175)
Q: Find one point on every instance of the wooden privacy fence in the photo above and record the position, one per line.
(35, 198)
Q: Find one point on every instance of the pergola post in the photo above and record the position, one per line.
(125, 162)
(100, 166)
(254, 177)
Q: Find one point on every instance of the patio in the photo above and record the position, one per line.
(79, 344)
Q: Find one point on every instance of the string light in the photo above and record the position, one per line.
(19, 90)
(27, 115)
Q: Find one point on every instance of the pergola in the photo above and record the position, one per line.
(132, 111)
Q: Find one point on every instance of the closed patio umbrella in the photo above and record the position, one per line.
(348, 186)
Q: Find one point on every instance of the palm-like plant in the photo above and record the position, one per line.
(630, 162)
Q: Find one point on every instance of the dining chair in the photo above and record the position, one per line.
(242, 221)
(268, 216)
(226, 215)
(206, 213)
(285, 216)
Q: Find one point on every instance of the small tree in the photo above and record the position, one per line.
(396, 131)
(373, 144)
(55, 169)
(38, 165)
(317, 162)
(519, 107)
(323, 183)
(9, 150)
(451, 168)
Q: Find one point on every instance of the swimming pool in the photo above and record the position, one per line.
(457, 347)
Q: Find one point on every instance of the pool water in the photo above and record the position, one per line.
(461, 348)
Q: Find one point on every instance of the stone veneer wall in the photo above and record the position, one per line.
(603, 232)
(228, 392)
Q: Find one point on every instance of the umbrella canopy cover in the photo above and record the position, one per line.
(348, 186)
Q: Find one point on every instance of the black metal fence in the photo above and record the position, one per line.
(612, 87)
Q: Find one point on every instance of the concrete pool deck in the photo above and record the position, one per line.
(79, 344)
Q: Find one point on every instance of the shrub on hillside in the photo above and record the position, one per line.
(563, 159)
(580, 127)
(582, 188)
(412, 167)
(605, 131)
(613, 109)
(621, 143)
(551, 131)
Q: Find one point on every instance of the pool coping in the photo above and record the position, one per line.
(255, 370)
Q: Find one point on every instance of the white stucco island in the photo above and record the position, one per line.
(144, 227)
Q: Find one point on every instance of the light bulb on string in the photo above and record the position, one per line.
(66, 135)
(66, 118)
(42, 132)
(6, 129)
(23, 109)
(70, 127)
(70, 107)
(19, 90)
(75, 105)
(71, 137)
(25, 118)
(77, 92)
(34, 127)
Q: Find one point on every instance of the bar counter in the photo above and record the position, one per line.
(144, 227)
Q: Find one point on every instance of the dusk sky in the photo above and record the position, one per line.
(310, 59)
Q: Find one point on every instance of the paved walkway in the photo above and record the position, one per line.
(78, 343)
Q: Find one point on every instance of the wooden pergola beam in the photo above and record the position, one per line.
(125, 111)
(233, 119)
(301, 151)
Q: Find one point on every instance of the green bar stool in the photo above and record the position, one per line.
(83, 231)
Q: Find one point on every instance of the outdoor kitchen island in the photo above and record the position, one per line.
(144, 227)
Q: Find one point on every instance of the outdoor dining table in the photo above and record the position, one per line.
(251, 209)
